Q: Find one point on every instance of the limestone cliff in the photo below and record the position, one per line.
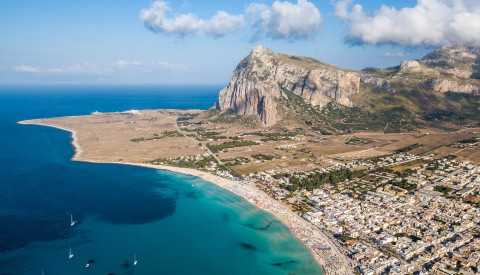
(253, 88)
(255, 84)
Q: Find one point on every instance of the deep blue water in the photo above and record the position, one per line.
(175, 224)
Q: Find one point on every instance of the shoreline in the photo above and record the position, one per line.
(308, 234)
(76, 145)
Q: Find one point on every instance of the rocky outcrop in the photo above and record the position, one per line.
(410, 66)
(443, 85)
(254, 85)
(459, 61)
(461, 54)
(414, 66)
(379, 82)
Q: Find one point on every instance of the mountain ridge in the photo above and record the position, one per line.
(257, 83)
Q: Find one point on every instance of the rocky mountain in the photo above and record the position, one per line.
(255, 84)
(258, 84)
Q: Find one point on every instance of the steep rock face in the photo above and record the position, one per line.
(443, 85)
(324, 85)
(318, 86)
(252, 89)
(254, 85)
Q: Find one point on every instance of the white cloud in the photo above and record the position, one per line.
(24, 68)
(341, 8)
(85, 68)
(429, 22)
(222, 23)
(88, 68)
(124, 63)
(287, 20)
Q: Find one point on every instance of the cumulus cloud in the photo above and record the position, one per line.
(281, 20)
(155, 18)
(287, 20)
(341, 8)
(24, 68)
(429, 22)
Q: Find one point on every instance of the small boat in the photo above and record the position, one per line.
(134, 259)
(70, 255)
(87, 265)
(72, 222)
(43, 273)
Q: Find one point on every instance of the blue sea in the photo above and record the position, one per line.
(173, 223)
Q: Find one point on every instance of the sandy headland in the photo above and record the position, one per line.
(117, 138)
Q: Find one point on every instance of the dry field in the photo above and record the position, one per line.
(107, 137)
(468, 154)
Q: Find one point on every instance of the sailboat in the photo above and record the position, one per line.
(72, 222)
(70, 255)
(134, 259)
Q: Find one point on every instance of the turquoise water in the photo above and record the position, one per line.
(175, 224)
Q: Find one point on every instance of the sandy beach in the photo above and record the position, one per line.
(323, 250)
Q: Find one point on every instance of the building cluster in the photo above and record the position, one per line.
(423, 220)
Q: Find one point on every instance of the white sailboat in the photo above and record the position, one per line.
(134, 259)
(87, 265)
(70, 255)
(72, 222)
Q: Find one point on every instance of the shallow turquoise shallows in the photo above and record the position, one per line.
(172, 223)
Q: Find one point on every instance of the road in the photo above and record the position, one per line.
(203, 146)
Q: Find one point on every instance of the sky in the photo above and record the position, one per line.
(201, 42)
